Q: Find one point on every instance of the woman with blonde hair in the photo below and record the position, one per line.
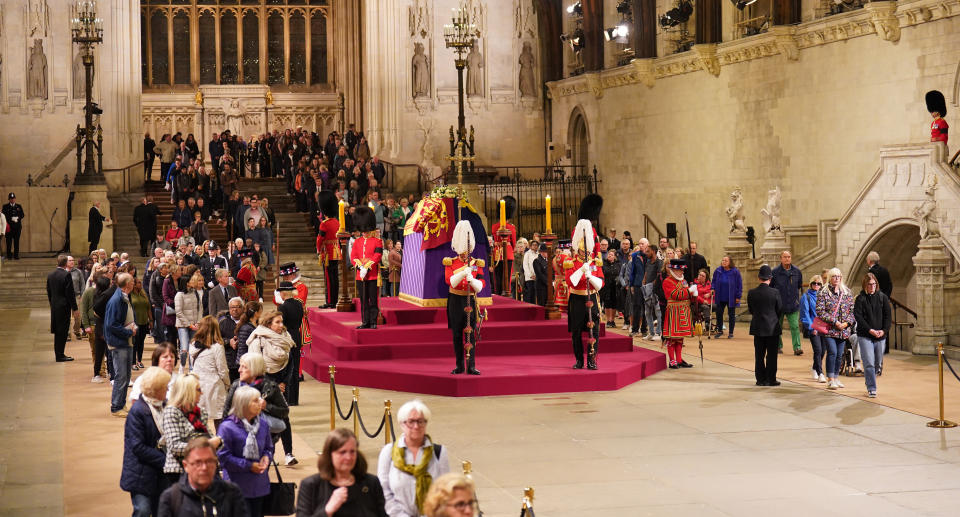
(835, 308)
(143, 460)
(209, 361)
(183, 420)
(451, 495)
(808, 311)
(188, 306)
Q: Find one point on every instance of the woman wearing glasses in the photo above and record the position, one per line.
(247, 448)
(808, 311)
(451, 495)
(342, 487)
(872, 311)
(835, 308)
(409, 465)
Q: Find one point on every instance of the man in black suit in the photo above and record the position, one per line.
(148, 155)
(228, 331)
(695, 262)
(62, 304)
(540, 271)
(764, 304)
(145, 219)
(95, 227)
(884, 283)
(13, 211)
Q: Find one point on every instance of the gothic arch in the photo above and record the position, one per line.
(578, 138)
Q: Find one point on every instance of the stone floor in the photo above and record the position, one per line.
(701, 442)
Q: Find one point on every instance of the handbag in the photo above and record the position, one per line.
(822, 327)
(168, 310)
(275, 424)
(281, 500)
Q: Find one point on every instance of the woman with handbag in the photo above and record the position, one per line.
(247, 448)
(808, 312)
(209, 361)
(189, 309)
(834, 319)
(275, 408)
(342, 487)
(168, 294)
(183, 420)
(272, 340)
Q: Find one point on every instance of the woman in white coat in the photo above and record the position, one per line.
(189, 309)
(209, 362)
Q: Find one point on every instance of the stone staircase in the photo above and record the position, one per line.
(23, 283)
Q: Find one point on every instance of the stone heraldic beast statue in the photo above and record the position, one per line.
(735, 212)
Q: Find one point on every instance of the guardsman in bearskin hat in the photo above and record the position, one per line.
(247, 277)
(463, 274)
(584, 277)
(328, 247)
(504, 258)
(365, 255)
(937, 106)
(677, 320)
(590, 207)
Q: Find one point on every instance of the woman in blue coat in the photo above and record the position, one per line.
(143, 460)
(728, 289)
(247, 448)
(808, 311)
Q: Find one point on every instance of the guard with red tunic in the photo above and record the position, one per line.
(365, 255)
(463, 274)
(584, 276)
(247, 277)
(590, 207)
(937, 106)
(328, 247)
(290, 273)
(677, 320)
(504, 258)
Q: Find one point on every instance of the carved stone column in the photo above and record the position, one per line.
(348, 40)
(773, 245)
(739, 251)
(931, 262)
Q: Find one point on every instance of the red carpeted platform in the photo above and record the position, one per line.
(519, 352)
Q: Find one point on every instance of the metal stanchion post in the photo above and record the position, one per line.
(333, 398)
(356, 412)
(387, 421)
(467, 468)
(941, 423)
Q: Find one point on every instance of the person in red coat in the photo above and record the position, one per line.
(247, 277)
(365, 255)
(584, 277)
(463, 274)
(678, 320)
(503, 258)
(590, 207)
(937, 106)
(328, 247)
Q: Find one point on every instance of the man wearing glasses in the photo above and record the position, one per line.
(198, 493)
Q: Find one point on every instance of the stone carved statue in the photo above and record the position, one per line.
(39, 18)
(735, 212)
(79, 78)
(926, 214)
(421, 72)
(771, 213)
(234, 111)
(528, 87)
(37, 72)
(426, 150)
(474, 75)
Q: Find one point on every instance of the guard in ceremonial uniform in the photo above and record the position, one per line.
(463, 274)
(677, 320)
(584, 276)
(365, 255)
(328, 247)
(294, 319)
(937, 106)
(590, 207)
(504, 258)
(289, 272)
(247, 277)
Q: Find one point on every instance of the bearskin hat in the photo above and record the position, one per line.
(327, 202)
(510, 206)
(590, 207)
(364, 219)
(936, 102)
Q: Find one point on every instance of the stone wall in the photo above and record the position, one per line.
(805, 108)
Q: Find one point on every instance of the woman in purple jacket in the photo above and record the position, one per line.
(728, 289)
(247, 448)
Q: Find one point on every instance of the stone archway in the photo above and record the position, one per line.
(578, 139)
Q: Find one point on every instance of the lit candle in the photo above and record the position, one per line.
(548, 214)
(503, 213)
(343, 219)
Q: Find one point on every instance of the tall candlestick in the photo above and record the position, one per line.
(343, 219)
(548, 214)
(503, 213)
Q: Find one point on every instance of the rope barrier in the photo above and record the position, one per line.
(942, 422)
(333, 389)
(386, 425)
(376, 433)
(950, 366)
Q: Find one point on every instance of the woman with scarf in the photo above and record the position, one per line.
(276, 410)
(247, 448)
(342, 486)
(272, 340)
(209, 361)
(409, 465)
(182, 421)
(143, 460)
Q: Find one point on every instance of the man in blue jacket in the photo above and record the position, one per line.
(789, 282)
(638, 262)
(118, 328)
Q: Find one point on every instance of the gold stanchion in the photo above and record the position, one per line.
(356, 412)
(333, 398)
(387, 421)
(941, 423)
(467, 469)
